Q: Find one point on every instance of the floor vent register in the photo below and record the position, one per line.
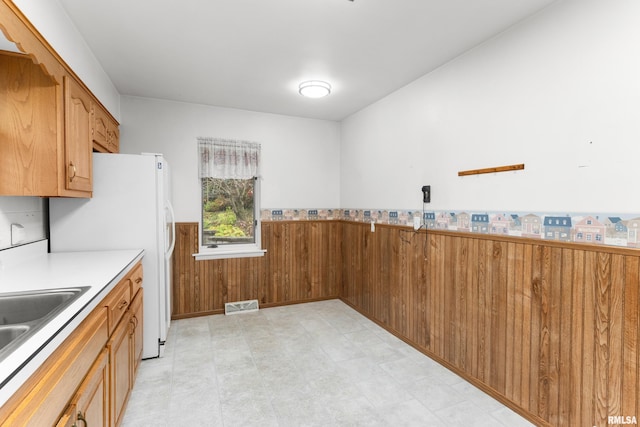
(241, 306)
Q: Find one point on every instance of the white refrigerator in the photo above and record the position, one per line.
(130, 209)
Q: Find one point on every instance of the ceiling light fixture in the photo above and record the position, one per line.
(314, 89)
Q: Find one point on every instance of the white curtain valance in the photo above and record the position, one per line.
(228, 159)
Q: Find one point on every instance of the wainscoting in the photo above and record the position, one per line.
(550, 329)
(303, 263)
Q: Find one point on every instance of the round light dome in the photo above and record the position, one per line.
(314, 89)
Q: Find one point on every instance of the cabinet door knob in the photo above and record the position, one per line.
(82, 418)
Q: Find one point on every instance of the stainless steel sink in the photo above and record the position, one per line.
(23, 313)
(10, 333)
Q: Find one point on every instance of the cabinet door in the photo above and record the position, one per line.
(77, 130)
(120, 357)
(68, 419)
(114, 138)
(136, 333)
(93, 395)
(100, 128)
(28, 129)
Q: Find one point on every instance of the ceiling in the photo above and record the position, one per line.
(252, 54)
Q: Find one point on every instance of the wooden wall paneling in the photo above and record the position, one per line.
(615, 339)
(461, 286)
(362, 249)
(498, 304)
(527, 330)
(467, 275)
(415, 304)
(408, 281)
(398, 280)
(434, 308)
(484, 309)
(395, 277)
(347, 290)
(578, 326)
(589, 343)
(424, 292)
(271, 239)
(364, 256)
(375, 281)
(317, 267)
(285, 264)
(375, 258)
(449, 313)
(474, 304)
(336, 260)
(536, 322)
(510, 344)
(520, 333)
(184, 273)
(556, 307)
(409, 284)
(603, 289)
(553, 328)
(279, 264)
(294, 269)
(565, 310)
(631, 338)
(444, 309)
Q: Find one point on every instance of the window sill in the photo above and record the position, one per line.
(226, 254)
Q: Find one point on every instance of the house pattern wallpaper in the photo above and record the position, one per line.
(603, 229)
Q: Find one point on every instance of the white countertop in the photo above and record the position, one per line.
(101, 270)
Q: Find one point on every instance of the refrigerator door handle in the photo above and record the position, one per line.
(173, 231)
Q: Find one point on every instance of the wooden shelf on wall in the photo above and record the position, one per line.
(492, 170)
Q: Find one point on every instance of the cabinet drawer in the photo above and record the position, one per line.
(117, 303)
(136, 279)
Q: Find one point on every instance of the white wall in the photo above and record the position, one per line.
(559, 91)
(300, 157)
(52, 21)
(27, 212)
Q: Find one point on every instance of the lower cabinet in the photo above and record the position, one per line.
(120, 357)
(136, 331)
(88, 379)
(93, 396)
(90, 405)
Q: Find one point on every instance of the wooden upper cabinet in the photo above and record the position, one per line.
(78, 141)
(100, 128)
(46, 132)
(106, 138)
(113, 139)
(50, 123)
(28, 128)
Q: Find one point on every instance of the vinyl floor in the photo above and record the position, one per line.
(314, 364)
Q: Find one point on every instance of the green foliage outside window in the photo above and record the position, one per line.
(228, 210)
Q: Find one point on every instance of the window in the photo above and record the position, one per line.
(228, 211)
(230, 199)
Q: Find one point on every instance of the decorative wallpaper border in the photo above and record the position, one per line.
(604, 229)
